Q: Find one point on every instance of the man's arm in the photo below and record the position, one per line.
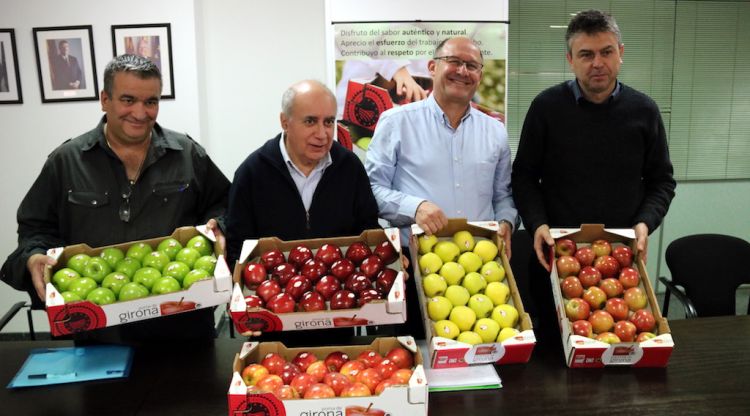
(366, 208)
(240, 214)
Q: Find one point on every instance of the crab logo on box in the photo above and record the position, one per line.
(144, 312)
(260, 405)
(78, 317)
(260, 321)
(314, 323)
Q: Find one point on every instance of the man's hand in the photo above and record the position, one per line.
(430, 217)
(641, 240)
(251, 334)
(505, 232)
(221, 241)
(542, 237)
(406, 86)
(36, 265)
(405, 267)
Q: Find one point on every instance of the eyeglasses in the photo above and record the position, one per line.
(455, 62)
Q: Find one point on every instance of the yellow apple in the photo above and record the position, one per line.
(463, 316)
(447, 250)
(492, 272)
(469, 337)
(452, 272)
(426, 243)
(471, 261)
(506, 333)
(438, 308)
(430, 263)
(487, 329)
(474, 283)
(458, 295)
(464, 240)
(434, 285)
(486, 249)
(446, 329)
(498, 292)
(505, 315)
(481, 305)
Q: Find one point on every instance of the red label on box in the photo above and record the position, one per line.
(365, 103)
(76, 317)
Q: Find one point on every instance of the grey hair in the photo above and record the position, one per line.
(592, 22)
(137, 65)
(287, 99)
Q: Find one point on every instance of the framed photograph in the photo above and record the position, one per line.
(10, 82)
(65, 62)
(152, 41)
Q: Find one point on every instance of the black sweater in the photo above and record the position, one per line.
(580, 162)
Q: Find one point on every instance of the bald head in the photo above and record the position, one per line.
(302, 87)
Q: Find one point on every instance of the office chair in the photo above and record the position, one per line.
(709, 268)
(34, 304)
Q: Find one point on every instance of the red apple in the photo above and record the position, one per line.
(601, 247)
(314, 269)
(273, 362)
(384, 280)
(352, 368)
(571, 287)
(583, 328)
(402, 375)
(369, 377)
(253, 301)
(342, 269)
(644, 320)
(288, 372)
(319, 391)
(340, 321)
(402, 357)
(617, 308)
(601, 321)
(312, 301)
(385, 384)
(253, 274)
(286, 393)
(357, 282)
(328, 254)
(337, 381)
(252, 373)
(623, 255)
(343, 299)
(636, 298)
(327, 286)
(303, 360)
(644, 336)
(386, 252)
(595, 297)
(585, 256)
(565, 247)
(272, 258)
(269, 383)
(301, 382)
(589, 276)
(299, 255)
(371, 266)
(283, 272)
(607, 266)
(356, 390)
(612, 287)
(625, 330)
(318, 369)
(386, 367)
(335, 360)
(370, 357)
(298, 285)
(629, 277)
(608, 337)
(357, 252)
(367, 296)
(567, 266)
(281, 303)
(577, 309)
(268, 289)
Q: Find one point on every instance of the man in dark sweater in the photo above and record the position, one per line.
(592, 150)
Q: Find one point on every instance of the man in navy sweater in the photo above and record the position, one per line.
(592, 150)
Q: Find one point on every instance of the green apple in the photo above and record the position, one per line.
(166, 284)
(146, 276)
(170, 247)
(97, 268)
(505, 315)
(438, 308)
(176, 269)
(202, 244)
(506, 333)
(188, 255)
(447, 250)
(138, 251)
(464, 240)
(498, 292)
(446, 329)
(101, 296)
(63, 277)
(434, 285)
(487, 329)
(463, 316)
(426, 243)
(452, 272)
(128, 266)
(207, 263)
(458, 295)
(471, 261)
(155, 259)
(486, 249)
(492, 271)
(481, 305)
(69, 296)
(474, 283)
(78, 262)
(132, 290)
(112, 255)
(82, 286)
(115, 281)
(194, 276)
(430, 263)
(469, 337)
(364, 143)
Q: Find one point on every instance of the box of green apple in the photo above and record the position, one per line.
(92, 288)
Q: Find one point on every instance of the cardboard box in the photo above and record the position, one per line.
(448, 353)
(365, 103)
(582, 352)
(391, 310)
(84, 316)
(394, 401)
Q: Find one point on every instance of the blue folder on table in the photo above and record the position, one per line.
(46, 366)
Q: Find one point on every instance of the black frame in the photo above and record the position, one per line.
(165, 63)
(10, 96)
(50, 93)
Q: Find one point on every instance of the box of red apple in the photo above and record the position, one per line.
(92, 288)
(605, 303)
(470, 304)
(319, 283)
(383, 378)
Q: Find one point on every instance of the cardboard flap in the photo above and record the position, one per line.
(488, 225)
(55, 252)
(408, 343)
(418, 385)
(206, 232)
(54, 298)
(237, 302)
(247, 348)
(393, 235)
(247, 247)
(222, 275)
(237, 386)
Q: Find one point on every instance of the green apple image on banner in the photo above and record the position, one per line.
(78, 262)
(132, 291)
(112, 255)
(170, 247)
(165, 284)
(101, 296)
(82, 286)
(194, 276)
(146, 276)
(97, 268)
(207, 263)
(138, 251)
(202, 244)
(128, 266)
(63, 277)
(155, 259)
(188, 255)
(115, 281)
(176, 269)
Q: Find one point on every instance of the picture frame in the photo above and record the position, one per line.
(10, 80)
(153, 41)
(65, 63)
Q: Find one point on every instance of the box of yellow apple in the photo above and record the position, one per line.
(470, 303)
